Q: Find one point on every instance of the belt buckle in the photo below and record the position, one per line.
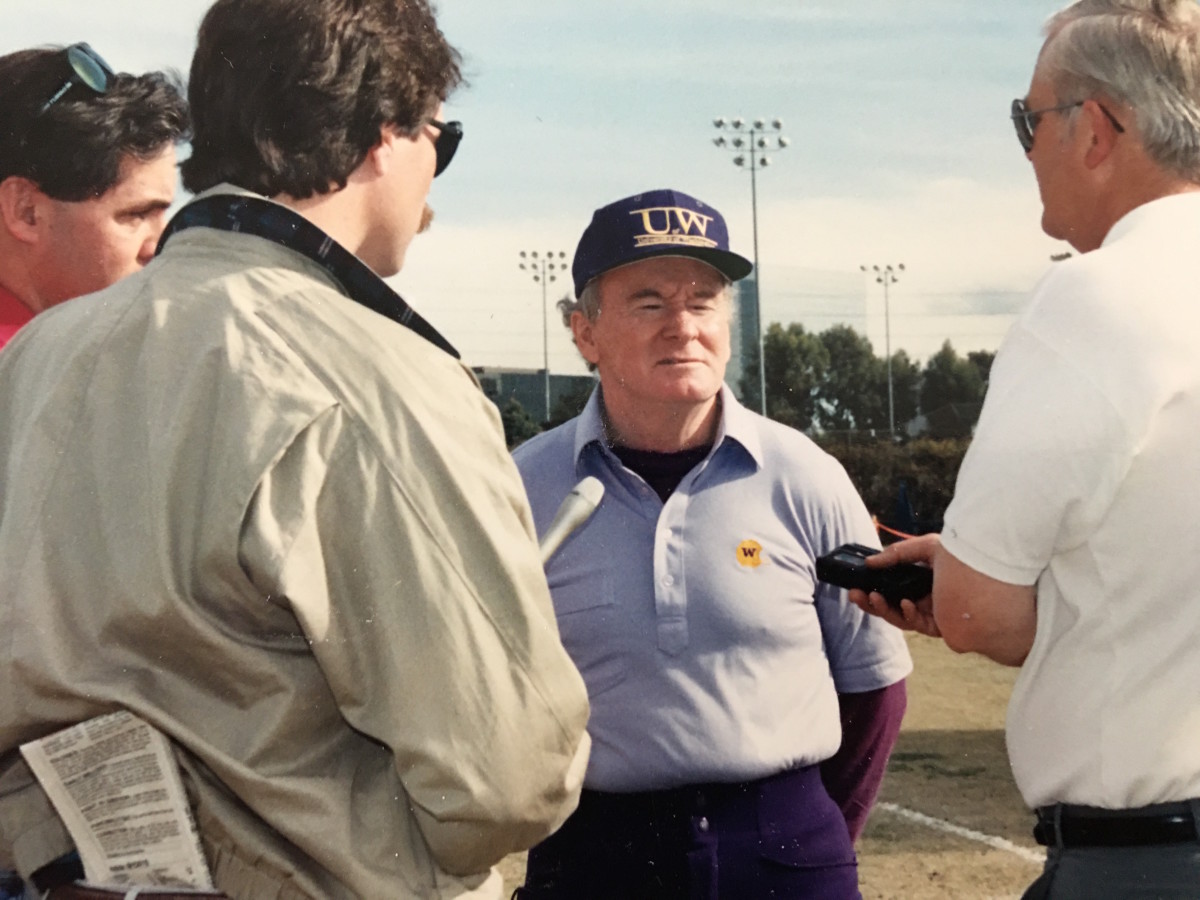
(1047, 830)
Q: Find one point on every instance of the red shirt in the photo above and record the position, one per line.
(13, 314)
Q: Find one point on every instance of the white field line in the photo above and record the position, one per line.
(997, 843)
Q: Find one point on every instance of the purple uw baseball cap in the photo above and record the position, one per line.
(655, 223)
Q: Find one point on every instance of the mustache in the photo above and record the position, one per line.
(426, 219)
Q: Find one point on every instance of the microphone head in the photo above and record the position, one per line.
(590, 489)
(578, 506)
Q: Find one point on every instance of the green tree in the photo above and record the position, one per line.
(951, 391)
(518, 424)
(830, 381)
(906, 382)
(982, 360)
(795, 365)
(849, 398)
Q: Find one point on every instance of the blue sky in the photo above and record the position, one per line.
(901, 149)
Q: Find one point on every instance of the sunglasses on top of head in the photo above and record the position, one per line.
(1026, 120)
(87, 68)
(446, 143)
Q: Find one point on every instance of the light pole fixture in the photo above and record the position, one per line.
(886, 275)
(542, 267)
(750, 142)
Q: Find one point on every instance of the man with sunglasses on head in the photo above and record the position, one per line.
(87, 172)
(1059, 549)
(252, 497)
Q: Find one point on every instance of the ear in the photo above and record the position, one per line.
(382, 156)
(583, 329)
(1103, 134)
(22, 208)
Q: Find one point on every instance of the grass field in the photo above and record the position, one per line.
(949, 771)
(950, 765)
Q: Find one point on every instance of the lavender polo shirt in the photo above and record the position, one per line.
(709, 650)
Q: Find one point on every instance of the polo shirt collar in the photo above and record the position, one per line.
(589, 428)
(737, 424)
(740, 425)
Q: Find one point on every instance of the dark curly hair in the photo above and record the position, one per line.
(73, 149)
(288, 96)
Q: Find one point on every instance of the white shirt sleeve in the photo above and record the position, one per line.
(1049, 453)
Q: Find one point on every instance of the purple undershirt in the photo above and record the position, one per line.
(870, 725)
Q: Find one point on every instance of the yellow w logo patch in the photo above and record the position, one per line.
(749, 554)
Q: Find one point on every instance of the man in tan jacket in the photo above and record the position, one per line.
(249, 495)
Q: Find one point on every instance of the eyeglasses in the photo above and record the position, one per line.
(87, 68)
(446, 143)
(1025, 120)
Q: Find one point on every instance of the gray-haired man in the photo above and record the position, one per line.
(1060, 549)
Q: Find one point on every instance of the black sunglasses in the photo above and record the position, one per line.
(87, 68)
(1025, 120)
(446, 143)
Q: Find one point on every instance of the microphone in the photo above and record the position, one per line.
(575, 510)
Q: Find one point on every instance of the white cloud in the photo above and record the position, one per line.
(972, 252)
(953, 234)
(466, 280)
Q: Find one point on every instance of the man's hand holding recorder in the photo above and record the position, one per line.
(876, 582)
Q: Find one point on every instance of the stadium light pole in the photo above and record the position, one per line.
(887, 277)
(542, 267)
(750, 142)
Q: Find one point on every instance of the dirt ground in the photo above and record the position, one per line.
(949, 765)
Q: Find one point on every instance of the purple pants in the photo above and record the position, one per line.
(779, 837)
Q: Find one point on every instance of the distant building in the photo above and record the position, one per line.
(528, 387)
(743, 334)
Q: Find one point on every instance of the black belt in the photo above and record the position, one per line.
(1066, 825)
(688, 800)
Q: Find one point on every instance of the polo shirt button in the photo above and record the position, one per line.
(668, 581)
(703, 824)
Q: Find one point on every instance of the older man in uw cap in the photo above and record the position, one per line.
(716, 665)
(1060, 552)
(87, 172)
(252, 497)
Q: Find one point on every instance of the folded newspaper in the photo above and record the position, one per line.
(115, 783)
